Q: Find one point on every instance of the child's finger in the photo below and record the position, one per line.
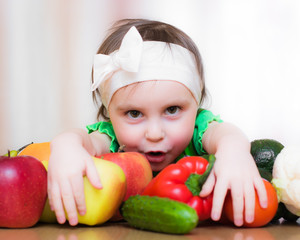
(92, 174)
(49, 195)
(262, 192)
(208, 186)
(220, 191)
(69, 202)
(55, 202)
(249, 202)
(237, 195)
(78, 192)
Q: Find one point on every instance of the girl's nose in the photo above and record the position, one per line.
(154, 132)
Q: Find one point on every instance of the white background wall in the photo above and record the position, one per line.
(250, 48)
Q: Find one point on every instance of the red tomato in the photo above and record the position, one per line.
(262, 216)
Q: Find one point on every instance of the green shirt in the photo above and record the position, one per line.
(195, 147)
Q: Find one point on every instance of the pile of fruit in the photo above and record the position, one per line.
(167, 203)
(23, 186)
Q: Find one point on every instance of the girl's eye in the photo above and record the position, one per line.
(134, 114)
(172, 110)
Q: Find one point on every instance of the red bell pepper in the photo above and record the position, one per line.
(182, 181)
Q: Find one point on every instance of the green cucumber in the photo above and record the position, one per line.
(159, 214)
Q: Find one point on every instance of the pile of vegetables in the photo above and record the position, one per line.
(281, 166)
(171, 203)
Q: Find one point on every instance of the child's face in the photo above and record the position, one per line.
(155, 118)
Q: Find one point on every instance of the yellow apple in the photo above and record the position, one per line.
(102, 203)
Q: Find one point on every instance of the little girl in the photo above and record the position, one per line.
(148, 77)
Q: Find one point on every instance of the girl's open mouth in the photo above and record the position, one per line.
(155, 157)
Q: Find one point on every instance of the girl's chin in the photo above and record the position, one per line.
(156, 167)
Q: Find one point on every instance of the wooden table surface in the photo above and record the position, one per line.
(116, 231)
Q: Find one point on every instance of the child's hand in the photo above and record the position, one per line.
(68, 163)
(236, 172)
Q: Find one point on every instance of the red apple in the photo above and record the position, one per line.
(137, 170)
(23, 191)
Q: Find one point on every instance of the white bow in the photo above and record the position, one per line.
(126, 58)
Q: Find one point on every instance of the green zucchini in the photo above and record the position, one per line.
(159, 214)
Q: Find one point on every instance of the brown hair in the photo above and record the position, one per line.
(150, 31)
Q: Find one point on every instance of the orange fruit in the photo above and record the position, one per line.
(40, 151)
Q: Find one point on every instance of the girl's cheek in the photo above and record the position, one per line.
(184, 135)
(128, 136)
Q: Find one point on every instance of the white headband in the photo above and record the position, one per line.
(138, 61)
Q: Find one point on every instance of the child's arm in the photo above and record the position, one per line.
(234, 169)
(69, 161)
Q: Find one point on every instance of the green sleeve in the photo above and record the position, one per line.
(203, 119)
(106, 128)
